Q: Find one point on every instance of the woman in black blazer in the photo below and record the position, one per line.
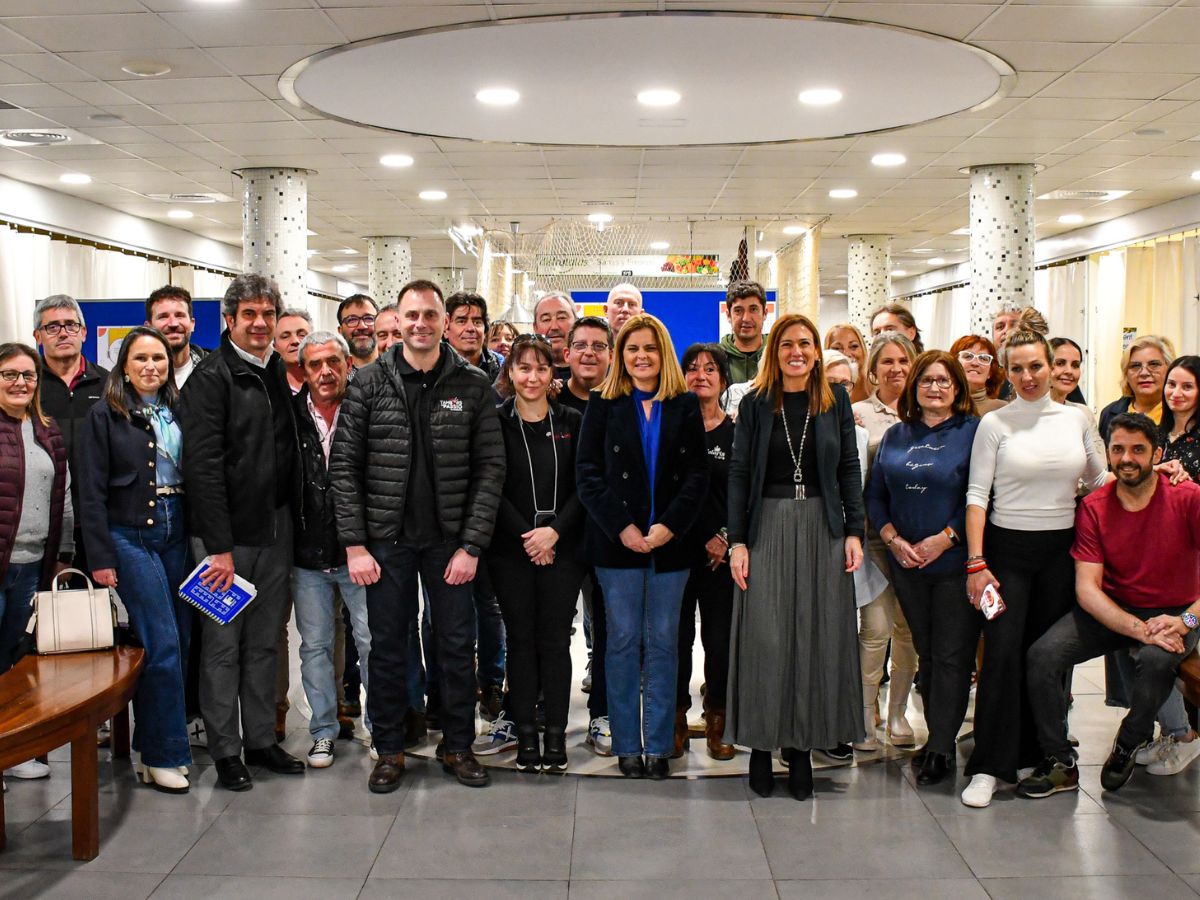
(642, 474)
(796, 509)
(131, 496)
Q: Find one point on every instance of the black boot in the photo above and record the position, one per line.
(800, 779)
(762, 779)
(529, 756)
(554, 755)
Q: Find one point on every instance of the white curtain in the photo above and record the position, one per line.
(1060, 294)
(1189, 336)
(1106, 311)
(25, 277)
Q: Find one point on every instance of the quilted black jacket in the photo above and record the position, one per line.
(369, 464)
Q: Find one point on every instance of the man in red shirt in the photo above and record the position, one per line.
(1135, 595)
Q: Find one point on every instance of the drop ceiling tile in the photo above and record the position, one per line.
(1099, 85)
(1059, 128)
(1042, 54)
(20, 118)
(47, 67)
(32, 96)
(106, 64)
(253, 131)
(266, 85)
(116, 134)
(1141, 58)
(122, 31)
(189, 90)
(11, 42)
(265, 60)
(1075, 24)
(228, 27)
(222, 113)
(81, 116)
(1174, 26)
(98, 93)
(69, 7)
(173, 133)
(358, 24)
(1078, 109)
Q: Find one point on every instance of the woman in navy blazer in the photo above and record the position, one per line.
(642, 474)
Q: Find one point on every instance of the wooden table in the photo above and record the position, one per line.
(48, 701)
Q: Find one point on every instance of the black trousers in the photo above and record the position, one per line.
(1078, 637)
(1037, 581)
(945, 631)
(538, 605)
(391, 612)
(712, 593)
(598, 698)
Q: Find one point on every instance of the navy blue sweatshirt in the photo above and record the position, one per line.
(918, 483)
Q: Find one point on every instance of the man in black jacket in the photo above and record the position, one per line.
(417, 469)
(320, 565)
(239, 466)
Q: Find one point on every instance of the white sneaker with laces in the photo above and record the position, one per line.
(1177, 756)
(978, 794)
(1152, 752)
(599, 736)
(29, 770)
(320, 756)
(500, 737)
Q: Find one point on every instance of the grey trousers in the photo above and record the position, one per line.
(238, 660)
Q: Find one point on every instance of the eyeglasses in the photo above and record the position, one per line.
(355, 321)
(596, 347)
(55, 328)
(968, 356)
(942, 382)
(10, 376)
(1155, 365)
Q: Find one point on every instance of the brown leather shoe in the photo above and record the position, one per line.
(281, 711)
(681, 733)
(385, 777)
(466, 768)
(714, 733)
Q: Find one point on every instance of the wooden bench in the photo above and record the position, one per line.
(48, 701)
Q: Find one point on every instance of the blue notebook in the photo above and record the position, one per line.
(221, 607)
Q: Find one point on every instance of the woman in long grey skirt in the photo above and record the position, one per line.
(796, 508)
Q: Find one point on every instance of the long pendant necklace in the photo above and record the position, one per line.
(797, 458)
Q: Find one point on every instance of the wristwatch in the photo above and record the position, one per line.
(1190, 620)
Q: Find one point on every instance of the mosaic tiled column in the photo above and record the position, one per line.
(275, 229)
(1002, 237)
(868, 276)
(449, 279)
(389, 267)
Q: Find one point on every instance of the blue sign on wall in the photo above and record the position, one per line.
(120, 313)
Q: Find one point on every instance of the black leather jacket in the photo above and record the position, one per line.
(316, 539)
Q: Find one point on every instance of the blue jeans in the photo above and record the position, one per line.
(642, 613)
(489, 631)
(314, 602)
(17, 588)
(151, 564)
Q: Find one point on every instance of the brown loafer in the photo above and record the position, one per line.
(385, 777)
(681, 733)
(281, 711)
(466, 768)
(714, 733)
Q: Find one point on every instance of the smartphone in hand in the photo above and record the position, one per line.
(991, 604)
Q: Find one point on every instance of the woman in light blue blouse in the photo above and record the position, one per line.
(916, 493)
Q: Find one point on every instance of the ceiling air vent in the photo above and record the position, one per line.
(597, 203)
(213, 197)
(1082, 195)
(30, 138)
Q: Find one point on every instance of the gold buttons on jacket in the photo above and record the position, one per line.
(150, 464)
(151, 445)
(149, 521)
(151, 504)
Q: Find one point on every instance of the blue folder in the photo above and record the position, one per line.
(220, 606)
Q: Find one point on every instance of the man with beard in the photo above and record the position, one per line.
(169, 309)
(553, 316)
(291, 329)
(356, 322)
(1136, 596)
(746, 309)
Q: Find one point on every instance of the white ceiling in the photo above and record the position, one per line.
(1090, 74)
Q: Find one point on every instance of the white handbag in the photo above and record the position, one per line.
(74, 619)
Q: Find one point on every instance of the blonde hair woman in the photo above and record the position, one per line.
(1143, 370)
(796, 511)
(642, 475)
(848, 340)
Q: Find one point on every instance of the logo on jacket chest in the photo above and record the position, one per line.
(454, 404)
(717, 452)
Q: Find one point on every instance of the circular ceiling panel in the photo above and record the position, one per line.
(576, 80)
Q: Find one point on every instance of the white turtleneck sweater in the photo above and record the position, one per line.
(1028, 458)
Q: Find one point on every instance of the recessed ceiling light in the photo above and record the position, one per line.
(1070, 219)
(921, 250)
(1196, 175)
(75, 178)
(794, 229)
(889, 159)
(432, 195)
(600, 218)
(840, 291)
(659, 245)
(498, 96)
(843, 193)
(347, 250)
(342, 268)
(179, 213)
(898, 273)
(936, 261)
(396, 160)
(763, 254)
(659, 97)
(31, 137)
(145, 68)
(820, 96)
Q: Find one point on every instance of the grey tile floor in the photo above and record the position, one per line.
(869, 832)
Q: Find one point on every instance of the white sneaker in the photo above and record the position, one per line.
(1177, 756)
(1152, 752)
(320, 756)
(978, 793)
(599, 736)
(29, 770)
(500, 737)
(374, 754)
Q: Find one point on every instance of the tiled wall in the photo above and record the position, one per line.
(1002, 239)
(275, 229)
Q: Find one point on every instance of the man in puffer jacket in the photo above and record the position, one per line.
(416, 471)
